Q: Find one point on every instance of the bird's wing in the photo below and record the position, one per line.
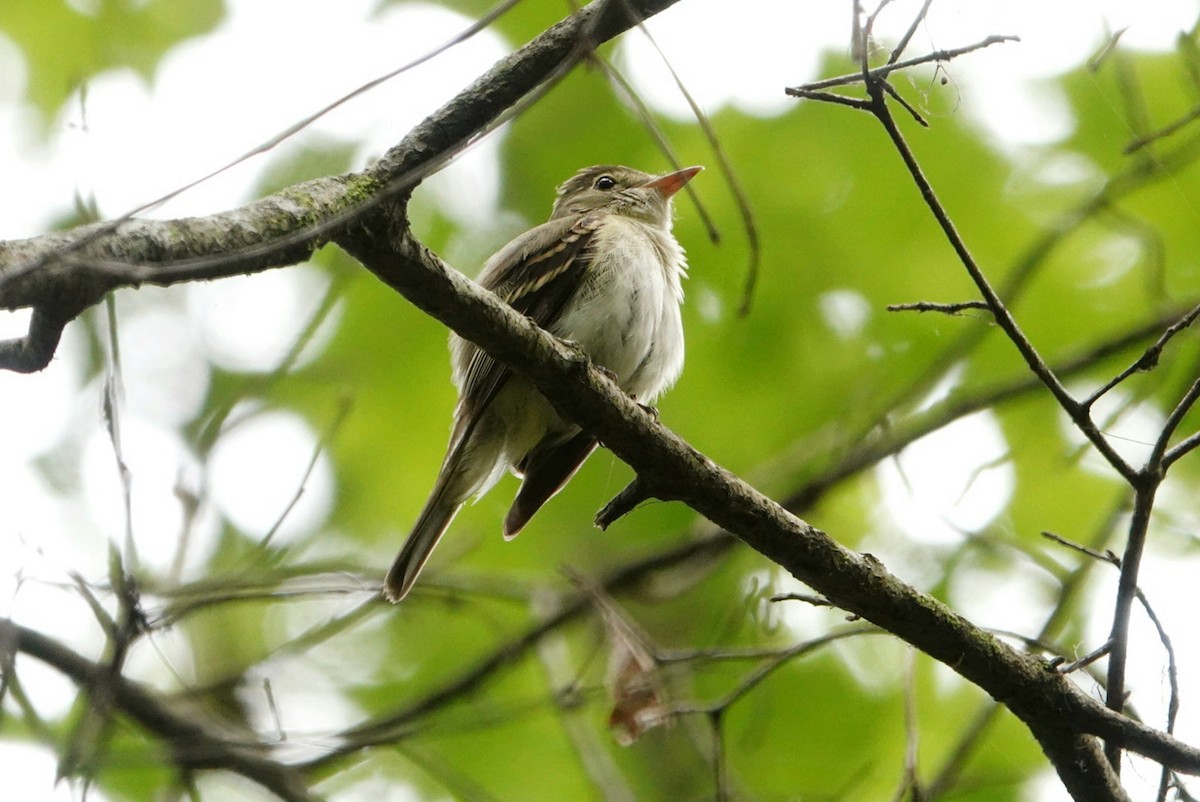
(537, 274)
(546, 470)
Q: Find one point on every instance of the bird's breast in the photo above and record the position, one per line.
(625, 314)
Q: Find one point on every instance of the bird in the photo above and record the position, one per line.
(604, 272)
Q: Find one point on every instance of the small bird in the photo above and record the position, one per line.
(604, 272)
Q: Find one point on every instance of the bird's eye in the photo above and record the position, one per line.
(605, 182)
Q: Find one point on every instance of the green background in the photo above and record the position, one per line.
(777, 396)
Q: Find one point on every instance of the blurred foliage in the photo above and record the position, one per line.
(780, 396)
(66, 42)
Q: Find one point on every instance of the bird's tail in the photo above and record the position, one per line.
(471, 466)
(431, 525)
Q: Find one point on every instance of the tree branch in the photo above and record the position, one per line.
(1058, 714)
(1078, 413)
(193, 745)
(673, 470)
(61, 274)
(365, 213)
(34, 351)
(892, 66)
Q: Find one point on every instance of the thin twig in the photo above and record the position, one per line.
(1107, 556)
(757, 675)
(657, 133)
(829, 97)
(1181, 409)
(623, 503)
(1172, 681)
(1080, 766)
(740, 197)
(1182, 448)
(909, 780)
(807, 598)
(1162, 133)
(192, 742)
(1107, 49)
(931, 306)
(33, 352)
(887, 69)
(1149, 359)
(947, 777)
(1099, 652)
(1106, 648)
(1004, 318)
(322, 444)
(908, 35)
(916, 115)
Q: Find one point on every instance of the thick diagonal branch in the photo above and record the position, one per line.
(59, 275)
(672, 469)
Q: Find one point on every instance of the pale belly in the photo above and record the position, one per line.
(625, 316)
(626, 313)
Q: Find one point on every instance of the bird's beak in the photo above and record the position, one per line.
(669, 184)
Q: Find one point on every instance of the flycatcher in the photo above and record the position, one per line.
(604, 272)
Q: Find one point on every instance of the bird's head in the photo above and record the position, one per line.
(623, 190)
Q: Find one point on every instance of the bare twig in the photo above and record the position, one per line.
(322, 444)
(1173, 420)
(989, 713)
(1079, 763)
(1162, 133)
(756, 676)
(727, 171)
(33, 352)
(807, 598)
(1004, 318)
(1149, 359)
(1172, 681)
(1126, 593)
(904, 104)
(908, 34)
(720, 770)
(1107, 556)
(1098, 653)
(930, 306)
(887, 69)
(910, 782)
(623, 503)
(1107, 49)
(1182, 448)
(193, 743)
(830, 97)
(1106, 647)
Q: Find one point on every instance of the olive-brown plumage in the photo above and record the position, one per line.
(603, 272)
